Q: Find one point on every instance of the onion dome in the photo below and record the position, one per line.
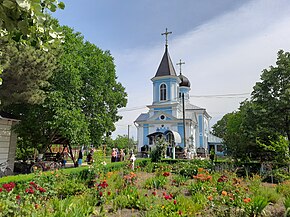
(184, 81)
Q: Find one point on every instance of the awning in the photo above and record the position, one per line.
(155, 134)
(176, 135)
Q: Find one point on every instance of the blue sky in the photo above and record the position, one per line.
(224, 43)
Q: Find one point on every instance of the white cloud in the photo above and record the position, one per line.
(225, 55)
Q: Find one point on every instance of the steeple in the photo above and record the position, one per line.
(166, 67)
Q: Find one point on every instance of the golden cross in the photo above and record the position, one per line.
(166, 33)
(180, 63)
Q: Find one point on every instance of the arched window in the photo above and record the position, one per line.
(162, 92)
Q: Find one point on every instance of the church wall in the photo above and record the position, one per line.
(180, 131)
(200, 130)
(145, 133)
(171, 89)
(167, 110)
(140, 137)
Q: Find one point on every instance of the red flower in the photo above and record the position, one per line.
(29, 190)
(36, 206)
(180, 213)
(168, 197)
(12, 184)
(18, 197)
(166, 174)
(1, 189)
(41, 189)
(175, 202)
(223, 178)
(109, 193)
(8, 186)
(154, 193)
(101, 193)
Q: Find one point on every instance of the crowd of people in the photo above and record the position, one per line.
(117, 155)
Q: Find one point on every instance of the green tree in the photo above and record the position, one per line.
(272, 97)
(238, 132)
(263, 119)
(87, 77)
(278, 149)
(28, 20)
(81, 101)
(122, 142)
(26, 73)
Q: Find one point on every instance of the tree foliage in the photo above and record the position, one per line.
(81, 100)
(26, 73)
(272, 96)
(263, 119)
(122, 142)
(27, 20)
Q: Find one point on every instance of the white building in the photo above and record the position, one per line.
(8, 139)
(165, 115)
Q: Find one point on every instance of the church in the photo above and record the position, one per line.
(172, 116)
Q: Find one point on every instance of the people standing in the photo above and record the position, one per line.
(90, 157)
(132, 160)
(80, 158)
(114, 155)
(122, 155)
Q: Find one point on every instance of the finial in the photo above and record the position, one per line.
(180, 63)
(166, 33)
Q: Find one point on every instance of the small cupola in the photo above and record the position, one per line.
(184, 81)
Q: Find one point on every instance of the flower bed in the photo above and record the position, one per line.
(153, 189)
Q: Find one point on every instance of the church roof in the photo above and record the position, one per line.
(184, 81)
(166, 67)
(142, 117)
(214, 139)
(190, 106)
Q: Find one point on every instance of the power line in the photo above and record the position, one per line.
(229, 96)
(221, 95)
(132, 109)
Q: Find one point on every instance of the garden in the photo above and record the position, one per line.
(166, 188)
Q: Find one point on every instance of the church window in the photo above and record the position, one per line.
(163, 92)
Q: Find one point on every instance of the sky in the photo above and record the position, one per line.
(225, 45)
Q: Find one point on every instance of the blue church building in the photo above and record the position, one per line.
(171, 115)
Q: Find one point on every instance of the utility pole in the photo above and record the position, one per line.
(128, 138)
(183, 113)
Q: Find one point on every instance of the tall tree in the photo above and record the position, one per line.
(81, 101)
(93, 84)
(272, 96)
(258, 125)
(26, 73)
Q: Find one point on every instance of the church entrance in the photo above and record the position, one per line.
(170, 136)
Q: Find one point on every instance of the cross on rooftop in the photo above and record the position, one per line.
(166, 33)
(180, 63)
